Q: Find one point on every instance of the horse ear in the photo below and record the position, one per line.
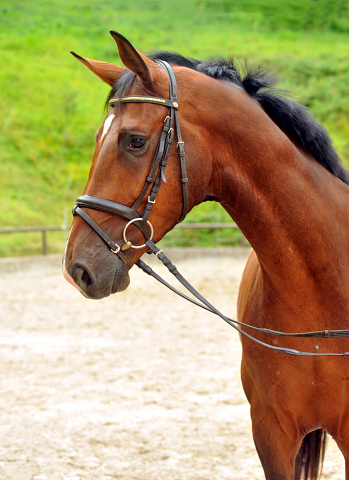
(108, 72)
(148, 71)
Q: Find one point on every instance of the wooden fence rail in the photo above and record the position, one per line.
(42, 229)
(45, 229)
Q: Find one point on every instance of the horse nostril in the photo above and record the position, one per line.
(82, 277)
(85, 277)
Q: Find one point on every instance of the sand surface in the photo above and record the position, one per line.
(141, 385)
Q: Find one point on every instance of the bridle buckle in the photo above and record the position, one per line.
(117, 249)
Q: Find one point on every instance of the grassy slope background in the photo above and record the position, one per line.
(50, 106)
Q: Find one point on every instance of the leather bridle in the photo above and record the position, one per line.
(154, 179)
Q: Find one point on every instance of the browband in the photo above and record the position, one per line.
(139, 99)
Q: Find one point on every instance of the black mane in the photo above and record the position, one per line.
(291, 117)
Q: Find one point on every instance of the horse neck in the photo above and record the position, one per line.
(289, 207)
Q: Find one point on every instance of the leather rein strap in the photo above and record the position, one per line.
(131, 214)
(203, 303)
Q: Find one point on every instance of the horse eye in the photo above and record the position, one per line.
(137, 143)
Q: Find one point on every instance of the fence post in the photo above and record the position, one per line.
(44, 242)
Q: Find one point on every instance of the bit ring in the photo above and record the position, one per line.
(130, 223)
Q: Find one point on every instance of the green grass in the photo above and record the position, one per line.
(51, 106)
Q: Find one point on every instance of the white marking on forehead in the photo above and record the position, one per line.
(106, 126)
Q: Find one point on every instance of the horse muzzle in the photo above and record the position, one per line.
(112, 277)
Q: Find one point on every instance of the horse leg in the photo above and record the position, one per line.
(276, 450)
(346, 458)
(343, 446)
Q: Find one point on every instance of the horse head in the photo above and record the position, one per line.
(133, 147)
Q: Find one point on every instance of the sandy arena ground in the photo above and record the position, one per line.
(142, 385)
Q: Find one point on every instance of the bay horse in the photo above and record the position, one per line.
(273, 169)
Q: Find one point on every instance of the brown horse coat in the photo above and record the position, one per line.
(293, 211)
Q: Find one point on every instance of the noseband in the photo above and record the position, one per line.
(158, 168)
(155, 177)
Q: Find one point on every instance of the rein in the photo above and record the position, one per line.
(158, 168)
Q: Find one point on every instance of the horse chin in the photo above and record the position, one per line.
(121, 280)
